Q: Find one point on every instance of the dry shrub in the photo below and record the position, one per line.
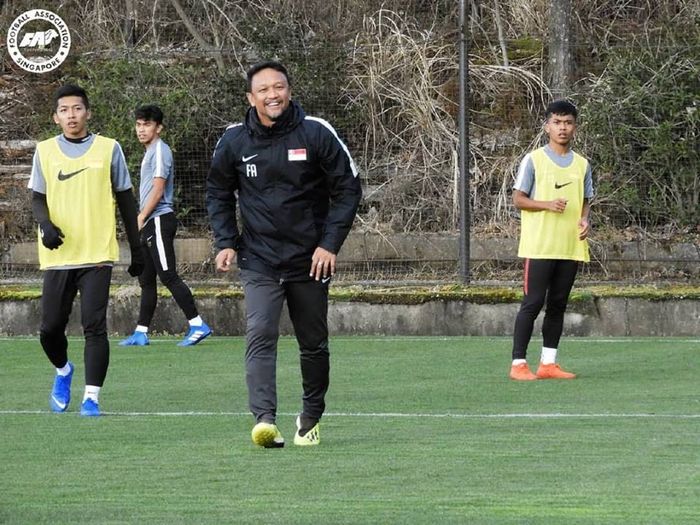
(405, 80)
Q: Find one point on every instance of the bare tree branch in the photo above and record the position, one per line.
(198, 36)
(501, 37)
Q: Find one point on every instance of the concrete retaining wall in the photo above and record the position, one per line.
(595, 317)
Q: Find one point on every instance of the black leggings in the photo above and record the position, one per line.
(59, 291)
(550, 279)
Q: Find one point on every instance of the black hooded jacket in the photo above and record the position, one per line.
(297, 188)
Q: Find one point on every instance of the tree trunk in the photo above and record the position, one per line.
(560, 35)
(130, 24)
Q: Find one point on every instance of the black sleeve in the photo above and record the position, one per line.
(222, 183)
(128, 211)
(40, 209)
(344, 188)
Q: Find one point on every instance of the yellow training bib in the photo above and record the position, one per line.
(81, 203)
(549, 235)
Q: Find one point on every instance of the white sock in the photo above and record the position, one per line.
(141, 328)
(91, 392)
(519, 361)
(549, 356)
(197, 321)
(64, 371)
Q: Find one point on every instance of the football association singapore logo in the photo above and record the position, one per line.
(38, 41)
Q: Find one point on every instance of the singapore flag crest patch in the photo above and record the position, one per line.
(296, 154)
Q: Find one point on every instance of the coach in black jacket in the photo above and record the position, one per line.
(298, 192)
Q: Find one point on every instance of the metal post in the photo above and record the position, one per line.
(464, 212)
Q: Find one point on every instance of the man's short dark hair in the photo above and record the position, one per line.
(149, 112)
(70, 90)
(561, 107)
(268, 64)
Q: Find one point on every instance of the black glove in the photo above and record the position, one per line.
(137, 263)
(51, 235)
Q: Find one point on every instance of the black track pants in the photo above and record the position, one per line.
(157, 243)
(307, 302)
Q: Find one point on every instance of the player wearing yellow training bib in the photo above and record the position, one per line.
(80, 199)
(78, 180)
(552, 190)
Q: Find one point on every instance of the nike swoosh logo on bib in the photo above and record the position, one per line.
(66, 176)
(559, 186)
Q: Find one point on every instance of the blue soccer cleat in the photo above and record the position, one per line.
(195, 335)
(60, 393)
(90, 408)
(136, 339)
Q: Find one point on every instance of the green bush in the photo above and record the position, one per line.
(641, 126)
(197, 102)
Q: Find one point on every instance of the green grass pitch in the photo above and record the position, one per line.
(417, 430)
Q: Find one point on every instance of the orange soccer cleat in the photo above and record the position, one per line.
(521, 372)
(553, 371)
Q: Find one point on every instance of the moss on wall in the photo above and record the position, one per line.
(418, 294)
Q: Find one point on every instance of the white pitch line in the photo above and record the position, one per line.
(514, 415)
(572, 339)
(526, 415)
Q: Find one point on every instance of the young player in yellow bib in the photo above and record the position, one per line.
(553, 190)
(77, 178)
